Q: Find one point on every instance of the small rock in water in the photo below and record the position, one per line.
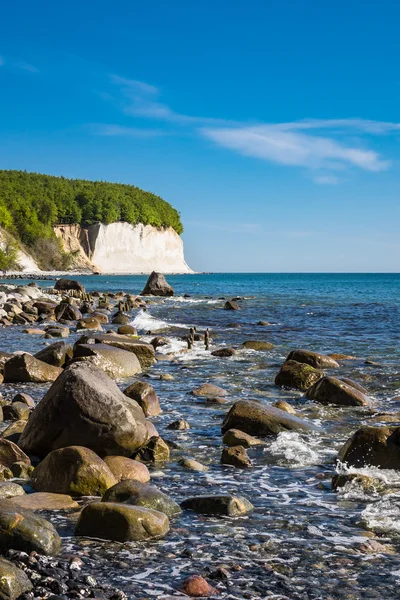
(179, 425)
(231, 305)
(197, 587)
(209, 390)
(193, 465)
(157, 285)
(145, 395)
(235, 437)
(257, 345)
(223, 352)
(283, 405)
(235, 456)
(226, 505)
(314, 359)
(166, 377)
(297, 375)
(331, 390)
(155, 450)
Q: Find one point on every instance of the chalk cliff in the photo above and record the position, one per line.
(124, 248)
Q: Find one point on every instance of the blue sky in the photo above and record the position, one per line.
(272, 126)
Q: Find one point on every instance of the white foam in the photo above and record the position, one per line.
(383, 516)
(144, 321)
(292, 449)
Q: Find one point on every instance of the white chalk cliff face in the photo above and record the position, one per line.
(124, 248)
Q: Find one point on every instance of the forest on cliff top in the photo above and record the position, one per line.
(31, 203)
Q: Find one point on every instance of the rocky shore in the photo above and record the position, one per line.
(87, 462)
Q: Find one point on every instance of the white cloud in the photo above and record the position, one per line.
(119, 130)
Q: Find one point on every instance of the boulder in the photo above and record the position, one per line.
(355, 384)
(121, 522)
(115, 362)
(57, 354)
(157, 285)
(136, 493)
(25, 399)
(127, 330)
(191, 464)
(9, 489)
(223, 352)
(89, 323)
(11, 453)
(257, 345)
(45, 501)
(75, 471)
(24, 368)
(45, 307)
(314, 359)
(235, 437)
(21, 529)
(13, 581)
(17, 411)
(231, 305)
(101, 317)
(13, 431)
(330, 390)
(258, 419)
(126, 468)
(67, 312)
(155, 450)
(299, 376)
(209, 391)
(84, 407)
(68, 284)
(236, 456)
(372, 446)
(145, 395)
(224, 505)
(144, 352)
(120, 319)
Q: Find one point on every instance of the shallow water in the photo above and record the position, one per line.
(303, 540)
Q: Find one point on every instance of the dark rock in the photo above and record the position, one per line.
(124, 468)
(13, 581)
(372, 446)
(25, 398)
(299, 376)
(257, 345)
(89, 323)
(142, 494)
(67, 312)
(157, 285)
(75, 471)
(226, 505)
(330, 390)
(231, 305)
(17, 411)
(145, 395)
(236, 456)
(24, 368)
(223, 352)
(179, 425)
(57, 354)
(68, 284)
(314, 359)
(13, 431)
(258, 419)
(45, 307)
(85, 407)
(121, 522)
(21, 529)
(355, 384)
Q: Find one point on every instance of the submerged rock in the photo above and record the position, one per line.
(372, 446)
(209, 391)
(145, 395)
(13, 581)
(257, 345)
(75, 470)
(24, 368)
(299, 376)
(121, 522)
(157, 285)
(314, 359)
(330, 390)
(21, 529)
(84, 407)
(142, 494)
(258, 419)
(126, 468)
(231, 305)
(226, 505)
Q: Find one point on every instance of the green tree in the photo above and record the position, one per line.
(9, 255)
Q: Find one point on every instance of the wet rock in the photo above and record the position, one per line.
(45, 501)
(236, 456)
(120, 319)
(17, 411)
(13, 431)
(68, 284)
(196, 586)
(179, 425)
(355, 384)
(11, 453)
(369, 484)
(115, 362)
(192, 465)
(89, 323)
(21, 529)
(76, 471)
(25, 399)
(126, 468)
(13, 581)
(297, 375)
(338, 356)
(226, 505)
(372, 446)
(67, 312)
(257, 345)
(145, 395)
(283, 405)
(235, 437)
(9, 489)
(314, 359)
(121, 522)
(157, 285)
(158, 341)
(155, 450)
(231, 305)
(24, 368)
(330, 390)
(223, 352)
(127, 330)
(258, 419)
(144, 352)
(145, 495)
(57, 354)
(84, 406)
(166, 377)
(209, 391)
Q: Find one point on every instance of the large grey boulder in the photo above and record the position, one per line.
(115, 362)
(24, 368)
(57, 354)
(258, 419)
(144, 352)
(157, 285)
(314, 359)
(372, 446)
(330, 390)
(84, 407)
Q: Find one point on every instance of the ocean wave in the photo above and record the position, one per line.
(144, 321)
(383, 516)
(291, 449)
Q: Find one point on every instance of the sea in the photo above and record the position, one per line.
(303, 541)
